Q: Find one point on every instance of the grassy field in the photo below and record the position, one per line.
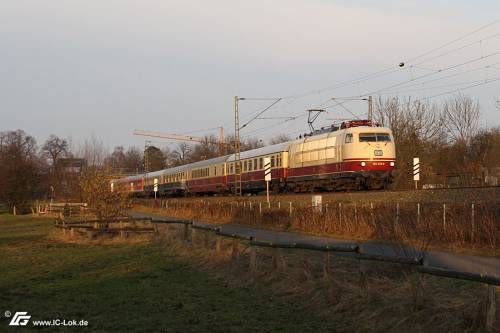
(134, 286)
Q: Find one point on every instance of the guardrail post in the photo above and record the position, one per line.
(279, 260)
(186, 232)
(363, 280)
(253, 258)
(491, 309)
(326, 264)
(218, 245)
(417, 290)
(235, 253)
(193, 235)
(206, 239)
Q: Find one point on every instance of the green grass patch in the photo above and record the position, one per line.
(130, 286)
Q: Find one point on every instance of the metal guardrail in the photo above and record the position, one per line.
(355, 249)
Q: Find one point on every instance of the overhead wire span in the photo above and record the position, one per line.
(464, 88)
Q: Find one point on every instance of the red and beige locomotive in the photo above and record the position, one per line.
(355, 155)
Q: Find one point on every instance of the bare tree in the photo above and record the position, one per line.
(54, 148)
(182, 154)
(461, 115)
(20, 169)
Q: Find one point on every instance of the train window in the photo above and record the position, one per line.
(383, 137)
(374, 137)
(215, 171)
(250, 165)
(279, 160)
(245, 166)
(367, 137)
(255, 165)
(348, 138)
(261, 163)
(272, 161)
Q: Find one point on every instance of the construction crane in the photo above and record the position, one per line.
(221, 143)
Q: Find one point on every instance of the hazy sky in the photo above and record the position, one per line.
(79, 68)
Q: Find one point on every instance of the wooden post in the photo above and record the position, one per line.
(290, 209)
(491, 325)
(206, 239)
(418, 213)
(235, 253)
(363, 281)
(279, 260)
(14, 212)
(186, 232)
(269, 204)
(250, 204)
(253, 258)
(193, 236)
(340, 214)
(355, 212)
(279, 204)
(218, 245)
(122, 232)
(417, 291)
(326, 264)
(260, 208)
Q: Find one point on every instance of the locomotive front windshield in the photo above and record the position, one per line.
(374, 137)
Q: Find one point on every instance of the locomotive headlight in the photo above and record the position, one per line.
(391, 164)
(363, 164)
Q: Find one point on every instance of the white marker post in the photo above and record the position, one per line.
(155, 186)
(416, 171)
(267, 174)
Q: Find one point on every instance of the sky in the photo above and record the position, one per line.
(102, 68)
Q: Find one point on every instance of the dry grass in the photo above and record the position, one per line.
(453, 226)
(380, 299)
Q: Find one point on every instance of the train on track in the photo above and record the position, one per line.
(357, 155)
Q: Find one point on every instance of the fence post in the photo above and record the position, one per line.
(444, 217)
(340, 214)
(355, 212)
(418, 212)
(260, 208)
(397, 212)
(269, 204)
(250, 203)
(472, 218)
(371, 213)
(279, 204)
(290, 209)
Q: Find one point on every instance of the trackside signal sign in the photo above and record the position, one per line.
(416, 168)
(155, 186)
(267, 169)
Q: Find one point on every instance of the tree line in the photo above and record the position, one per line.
(447, 138)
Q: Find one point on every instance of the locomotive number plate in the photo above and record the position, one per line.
(378, 152)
